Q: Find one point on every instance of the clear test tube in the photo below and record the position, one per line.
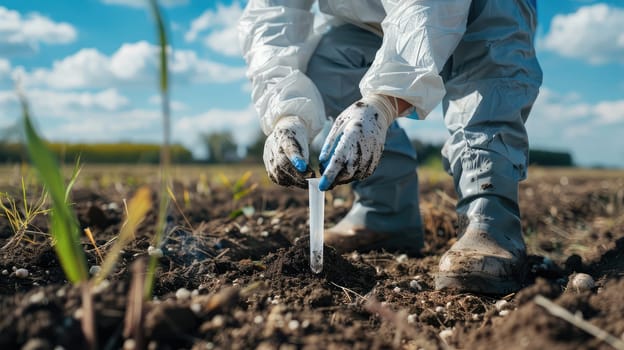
(317, 218)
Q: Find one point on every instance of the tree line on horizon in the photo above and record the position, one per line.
(221, 148)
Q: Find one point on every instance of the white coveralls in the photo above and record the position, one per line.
(477, 57)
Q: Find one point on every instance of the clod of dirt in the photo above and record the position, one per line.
(295, 261)
(168, 321)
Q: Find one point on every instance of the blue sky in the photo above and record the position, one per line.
(88, 67)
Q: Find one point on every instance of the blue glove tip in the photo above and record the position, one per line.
(299, 164)
(324, 184)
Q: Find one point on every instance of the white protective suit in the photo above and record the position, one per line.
(278, 39)
(477, 57)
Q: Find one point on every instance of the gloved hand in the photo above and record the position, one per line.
(354, 145)
(286, 153)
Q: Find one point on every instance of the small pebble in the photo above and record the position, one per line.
(156, 252)
(218, 321)
(415, 285)
(439, 309)
(293, 325)
(129, 344)
(78, 313)
(183, 294)
(258, 319)
(401, 258)
(446, 335)
(305, 324)
(397, 290)
(21, 273)
(196, 308)
(501, 304)
(581, 282)
(412, 318)
(5, 272)
(37, 297)
(504, 313)
(476, 317)
(264, 234)
(244, 229)
(100, 287)
(275, 221)
(260, 221)
(95, 269)
(339, 202)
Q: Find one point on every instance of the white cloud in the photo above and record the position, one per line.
(66, 105)
(23, 34)
(593, 33)
(610, 112)
(173, 104)
(132, 63)
(143, 3)
(5, 69)
(220, 24)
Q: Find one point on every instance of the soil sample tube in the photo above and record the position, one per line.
(317, 218)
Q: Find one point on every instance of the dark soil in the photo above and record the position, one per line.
(241, 282)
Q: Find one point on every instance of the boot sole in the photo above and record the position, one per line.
(476, 283)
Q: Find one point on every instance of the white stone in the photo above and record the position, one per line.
(183, 294)
(401, 258)
(156, 252)
(293, 325)
(397, 290)
(129, 344)
(412, 318)
(5, 272)
(21, 273)
(501, 304)
(244, 229)
(37, 297)
(581, 282)
(95, 269)
(196, 308)
(504, 313)
(258, 319)
(439, 309)
(415, 285)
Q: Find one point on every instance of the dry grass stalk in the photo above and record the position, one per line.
(133, 322)
(566, 315)
(87, 322)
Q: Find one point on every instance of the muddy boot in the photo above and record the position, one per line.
(385, 213)
(490, 255)
(486, 259)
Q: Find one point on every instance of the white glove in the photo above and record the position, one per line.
(354, 145)
(286, 153)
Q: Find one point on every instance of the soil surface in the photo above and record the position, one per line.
(240, 279)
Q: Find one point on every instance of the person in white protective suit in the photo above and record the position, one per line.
(385, 59)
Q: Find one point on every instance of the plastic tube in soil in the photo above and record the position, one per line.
(317, 218)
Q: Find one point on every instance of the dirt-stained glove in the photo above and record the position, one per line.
(286, 153)
(354, 145)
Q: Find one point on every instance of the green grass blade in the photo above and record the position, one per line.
(165, 156)
(63, 222)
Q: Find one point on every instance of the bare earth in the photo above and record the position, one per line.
(251, 286)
